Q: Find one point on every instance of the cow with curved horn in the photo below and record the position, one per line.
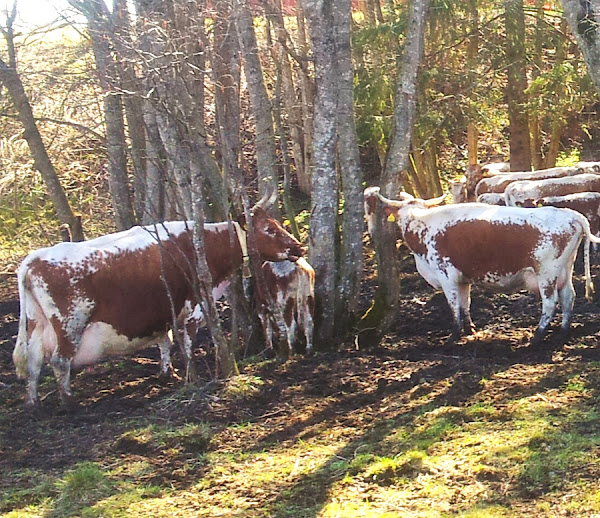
(113, 295)
(456, 246)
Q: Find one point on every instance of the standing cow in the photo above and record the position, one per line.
(288, 301)
(116, 294)
(456, 246)
(525, 192)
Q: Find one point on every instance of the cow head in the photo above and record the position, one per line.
(371, 197)
(391, 208)
(458, 189)
(273, 241)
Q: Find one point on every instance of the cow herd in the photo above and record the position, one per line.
(116, 294)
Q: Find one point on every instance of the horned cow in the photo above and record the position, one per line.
(116, 294)
(525, 192)
(456, 246)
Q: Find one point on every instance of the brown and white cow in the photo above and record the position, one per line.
(499, 182)
(491, 198)
(525, 192)
(456, 246)
(80, 302)
(288, 301)
(586, 203)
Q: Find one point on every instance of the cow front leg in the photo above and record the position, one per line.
(62, 371)
(549, 300)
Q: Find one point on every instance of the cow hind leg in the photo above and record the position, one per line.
(453, 298)
(464, 293)
(35, 360)
(62, 371)
(549, 297)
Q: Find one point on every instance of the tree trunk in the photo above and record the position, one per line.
(98, 17)
(132, 101)
(583, 18)
(324, 207)
(266, 157)
(379, 317)
(520, 151)
(10, 78)
(306, 94)
(351, 253)
(290, 100)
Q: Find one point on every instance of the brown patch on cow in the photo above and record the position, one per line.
(562, 240)
(478, 248)
(415, 242)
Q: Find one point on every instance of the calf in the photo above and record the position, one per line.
(527, 191)
(458, 190)
(499, 182)
(288, 301)
(119, 293)
(456, 246)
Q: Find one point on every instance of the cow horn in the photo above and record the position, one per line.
(268, 199)
(391, 203)
(434, 201)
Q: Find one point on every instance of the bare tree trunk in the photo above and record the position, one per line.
(226, 72)
(520, 148)
(154, 188)
(266, 156)
(379, 317)
(324, 205)
(306, 93)
(132, 101)
(351, 253)
(584, 21)
(290, 99)
(10, 78)
(227, 364)
(472, 49)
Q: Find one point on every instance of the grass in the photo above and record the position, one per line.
(520, 446)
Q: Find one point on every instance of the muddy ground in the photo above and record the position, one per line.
(114, 392)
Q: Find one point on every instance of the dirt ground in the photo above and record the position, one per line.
(116, 391)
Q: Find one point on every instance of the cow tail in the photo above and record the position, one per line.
(20, 353)
(589, 285)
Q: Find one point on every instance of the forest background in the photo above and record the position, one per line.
(142, 111)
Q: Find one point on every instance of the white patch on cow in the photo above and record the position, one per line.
(101, 339)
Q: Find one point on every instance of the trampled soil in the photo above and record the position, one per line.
(297, 394)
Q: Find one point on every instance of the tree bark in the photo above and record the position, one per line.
(351, 252)
(10, 78)
(306, 94)
(379, 317)
(324, 206)
(132, 101)
(520, 147)
(583, 18)
(266, 157)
